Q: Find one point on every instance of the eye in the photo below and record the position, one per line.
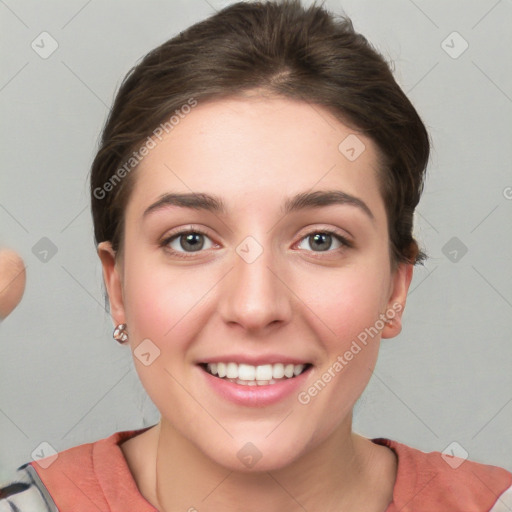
(187, 241)
(321, 241)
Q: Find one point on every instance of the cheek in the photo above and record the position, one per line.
(344, 306)
(163, 302)
(345, 300)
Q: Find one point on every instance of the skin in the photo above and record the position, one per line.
(294, 299)
(12, 281)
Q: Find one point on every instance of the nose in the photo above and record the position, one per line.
(254, 294)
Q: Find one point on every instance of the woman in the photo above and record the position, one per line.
(232, 153)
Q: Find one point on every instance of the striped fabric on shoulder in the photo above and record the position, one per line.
(25, 492)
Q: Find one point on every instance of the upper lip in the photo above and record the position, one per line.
(256, 360)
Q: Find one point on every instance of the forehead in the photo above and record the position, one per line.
(257, 149)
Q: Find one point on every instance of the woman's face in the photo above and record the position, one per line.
(278, 276)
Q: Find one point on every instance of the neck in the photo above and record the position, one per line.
(333, 476)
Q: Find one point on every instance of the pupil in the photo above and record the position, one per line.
(191, 240)
(322, 237)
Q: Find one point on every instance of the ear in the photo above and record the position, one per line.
(396, 303)
(112, 277)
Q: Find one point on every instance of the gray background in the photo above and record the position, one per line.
(446, 378)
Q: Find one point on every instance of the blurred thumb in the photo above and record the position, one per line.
(12, 281)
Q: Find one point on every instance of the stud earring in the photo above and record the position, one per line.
(120, 334)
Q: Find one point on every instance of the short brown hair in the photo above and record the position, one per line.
(308, 54)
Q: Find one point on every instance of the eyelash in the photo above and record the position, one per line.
(346, 244)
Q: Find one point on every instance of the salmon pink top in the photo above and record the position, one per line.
(96, 477)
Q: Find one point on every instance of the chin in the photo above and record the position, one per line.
(258, 453)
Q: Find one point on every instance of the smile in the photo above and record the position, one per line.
(249, 375)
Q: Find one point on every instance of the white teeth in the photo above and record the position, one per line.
(221, 369)
(297, 370)
(288, 370)
(245, 372)
(231, 370)
(252, 382)
(252, 375)
(264, 372)
(278, 371)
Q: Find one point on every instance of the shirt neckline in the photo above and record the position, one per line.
(121, 491)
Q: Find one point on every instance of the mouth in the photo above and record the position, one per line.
(250, 375)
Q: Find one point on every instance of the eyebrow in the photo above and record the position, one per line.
(214, 204)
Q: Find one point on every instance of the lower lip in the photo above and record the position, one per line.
(255, 396)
